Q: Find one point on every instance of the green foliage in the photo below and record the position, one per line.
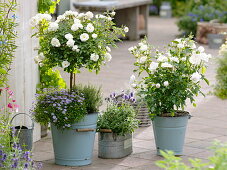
(92, 95)
(61, 108)
(217, 162)
(121, 119)
(188, 23)
(50, 79)
(8, 35)
(172, 76)
(47, 6)
(221, 86)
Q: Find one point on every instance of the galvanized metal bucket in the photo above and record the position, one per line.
(169, 133)
(113, 146)
(24, 133)
(74, 147)
(215, 40)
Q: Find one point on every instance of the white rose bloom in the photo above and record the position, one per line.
(89, 28)
(174, 59)
(132, 79)
(196, 77)
(184, 59)
(131, 49)
(193, 46)
(108, 57)
(65, 64)
(60, 18)
(89, 14)
(166, 65)
(84, 37)
(108, 49)
(153, 66)
(75, 27)
(126, 29)
(75, 48)
(81, 15)
(180, 45)
(205, 57)
(68, 13)
(41, 56)
(195, 59)
(55, 42)
(94, 57)
(142, 59)
(162, 58)
(77, 21)
(37, 60)
(41, 64)
(47, 17)
(143, 47)
(53, 26)
(113, 13)
(70, 43)
(178, 40)
(68, 36)
(201, 49)
(157, 85)
(109, 18)
(94, 35)
(166, 83)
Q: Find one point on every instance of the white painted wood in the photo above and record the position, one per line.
(24, 74)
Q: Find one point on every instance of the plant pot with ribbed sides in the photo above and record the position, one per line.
(115, 128)
(172, 77)
(73, 117)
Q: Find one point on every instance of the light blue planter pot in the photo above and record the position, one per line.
(74, 147)
(169, 133)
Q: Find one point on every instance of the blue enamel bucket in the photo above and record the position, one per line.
(169, 133)
(74, 147)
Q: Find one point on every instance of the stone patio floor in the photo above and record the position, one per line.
(208, 121)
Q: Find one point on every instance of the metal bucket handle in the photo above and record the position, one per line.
(23, 114)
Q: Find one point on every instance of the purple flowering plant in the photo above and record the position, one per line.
(62, 108)
(122, 97)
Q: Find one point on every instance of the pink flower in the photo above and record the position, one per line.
(13, 100)
(10, 105)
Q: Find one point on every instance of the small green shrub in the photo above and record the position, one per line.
(50, 79)
(221, 86)
(121, 119)
(216, 162)
(92, 95)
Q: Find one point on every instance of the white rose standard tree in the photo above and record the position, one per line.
(172, 76)
(76, 40)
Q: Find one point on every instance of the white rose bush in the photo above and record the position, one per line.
(171, 77)
(76, 40)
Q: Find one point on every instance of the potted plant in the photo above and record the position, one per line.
(73, 115)
(134, 99)
(172, 77)
(74, 41)
(115, 127)
(221, 86)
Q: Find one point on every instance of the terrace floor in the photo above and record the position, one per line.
(208, 121)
